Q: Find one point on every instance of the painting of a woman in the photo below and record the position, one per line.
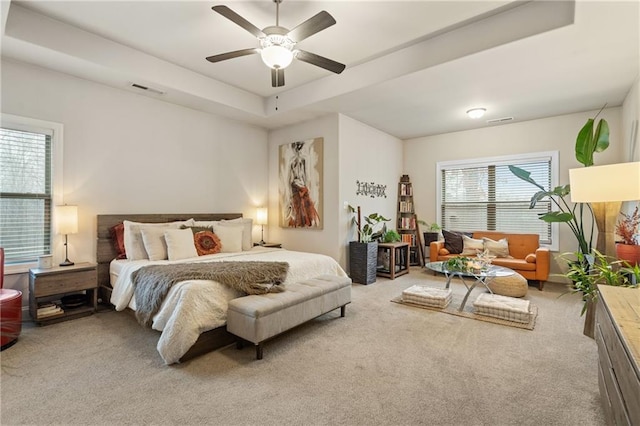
(301, 184)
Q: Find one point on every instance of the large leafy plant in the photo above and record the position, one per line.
(366, 233)
(589, 141)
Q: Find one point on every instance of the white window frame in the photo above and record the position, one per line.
(41, 126)
(554, 156)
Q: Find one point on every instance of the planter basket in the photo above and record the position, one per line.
(363, 260)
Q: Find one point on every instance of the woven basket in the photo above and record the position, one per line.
(513, 285)
(363, 259)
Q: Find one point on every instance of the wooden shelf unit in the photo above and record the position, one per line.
(407, 222)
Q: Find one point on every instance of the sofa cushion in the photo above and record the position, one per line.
(515, 264)
(453, 241)
(471, 246)
(498, 248)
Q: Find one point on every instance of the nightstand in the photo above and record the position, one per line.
(48, 286)
(270, 245)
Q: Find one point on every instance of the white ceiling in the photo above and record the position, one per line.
(413, 67)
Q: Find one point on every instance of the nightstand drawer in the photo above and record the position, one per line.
(49, 285)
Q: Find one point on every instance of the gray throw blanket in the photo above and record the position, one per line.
(152, 283)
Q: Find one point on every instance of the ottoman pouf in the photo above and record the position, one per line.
(513, 285)
(427, 296)
(503, 307)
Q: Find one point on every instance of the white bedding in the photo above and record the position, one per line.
(195, 306)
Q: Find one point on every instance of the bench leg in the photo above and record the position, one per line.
(343, 310)
(239, 344)
(259, 351)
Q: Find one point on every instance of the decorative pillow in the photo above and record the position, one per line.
(530, 258)
(180, 244)
(247, 224)
(452, 241)
(443, 252)
(154, 243)
(206, 223)
(230, 238)
(471, 246)
(197, 228)
(207, 243)
(133, 243)
(117, 236)
(498, 248)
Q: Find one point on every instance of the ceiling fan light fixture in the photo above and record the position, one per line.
(476, 112)
(276, 57)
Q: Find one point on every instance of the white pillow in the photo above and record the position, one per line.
(498, 248)
(247, 230)
(230, 238)
(471, 246)
(180, 244)
(154, 243)
(133, 243)
(206, 223)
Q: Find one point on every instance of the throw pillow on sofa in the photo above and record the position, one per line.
(471, 246)
(498, 248)
(452, 241)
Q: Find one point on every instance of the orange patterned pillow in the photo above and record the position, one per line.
(206, 243)
(530, 258)
(443, 251)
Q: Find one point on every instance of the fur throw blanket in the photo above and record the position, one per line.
(152, 283)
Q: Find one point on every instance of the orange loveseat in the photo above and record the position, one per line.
(535, 267)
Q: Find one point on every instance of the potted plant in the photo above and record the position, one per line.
(588, 142)
(432, 232)
(391, 236)
(363, 254)
(628, 228)
(586, 273)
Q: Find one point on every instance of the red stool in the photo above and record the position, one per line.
(10, 311)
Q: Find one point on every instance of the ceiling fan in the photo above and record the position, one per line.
(277, 44)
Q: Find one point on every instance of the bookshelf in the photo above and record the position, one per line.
(407, 222)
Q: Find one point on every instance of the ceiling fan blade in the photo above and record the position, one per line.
(320, 61)
(239, 20)
(231, 55)
(277, 77)
(315, 24)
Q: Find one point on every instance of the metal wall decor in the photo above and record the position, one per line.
(371, 189)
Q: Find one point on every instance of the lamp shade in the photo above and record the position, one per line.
(599, 184)
(262, 216)
(66, 219)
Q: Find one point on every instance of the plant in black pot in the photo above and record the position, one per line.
(431, 232)
(363, 254)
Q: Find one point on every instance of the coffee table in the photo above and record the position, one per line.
(483, 276)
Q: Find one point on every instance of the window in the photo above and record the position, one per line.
(483, 194)
(26, 187)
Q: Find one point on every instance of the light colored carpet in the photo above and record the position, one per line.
(382, 364)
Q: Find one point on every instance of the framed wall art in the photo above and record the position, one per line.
(300, 189)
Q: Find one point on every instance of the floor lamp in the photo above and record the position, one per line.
(605, 188)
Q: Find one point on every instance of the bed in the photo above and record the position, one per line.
(192, 318)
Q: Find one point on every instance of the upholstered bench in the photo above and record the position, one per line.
(257, 318)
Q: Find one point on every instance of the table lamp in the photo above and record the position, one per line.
(605, 188)
(66, 223)
(261, 219)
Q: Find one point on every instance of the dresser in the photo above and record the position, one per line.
(618, 337)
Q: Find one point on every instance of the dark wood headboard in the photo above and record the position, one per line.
(105, 250)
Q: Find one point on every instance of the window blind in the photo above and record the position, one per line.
(490, 197)
(25, 194)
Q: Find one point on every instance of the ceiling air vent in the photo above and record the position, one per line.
(499, 120)
(148, 89)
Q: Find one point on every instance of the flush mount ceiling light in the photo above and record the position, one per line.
(476, 112)
(277, 44)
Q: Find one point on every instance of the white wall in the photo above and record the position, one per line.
(366, 155)
(631, 119)
(128, 153)
(323, 240)
(548, 134)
